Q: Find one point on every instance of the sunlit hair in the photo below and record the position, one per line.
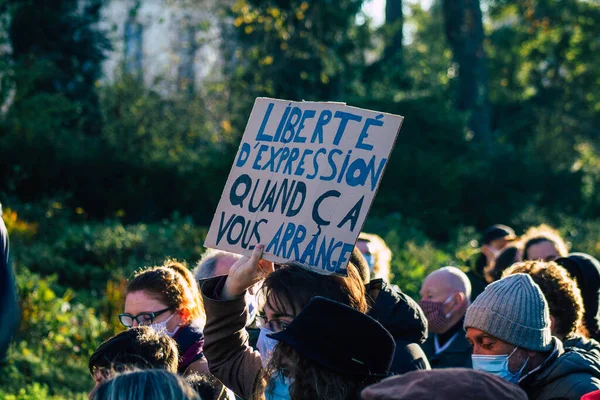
(140, 347)
(543, 233)
(311, 381)
(381, 253)
(173, 284)
(151, 384)
(561, 292)
(207, 386)
(289, 289)
(209, 260)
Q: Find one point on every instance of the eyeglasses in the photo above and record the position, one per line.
(145, 318)
(274, 325)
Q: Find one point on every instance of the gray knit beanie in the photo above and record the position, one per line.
(515, 311)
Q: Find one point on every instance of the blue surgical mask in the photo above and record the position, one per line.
(279, 388)
(497, 365)
(265, 346)
(370, 260)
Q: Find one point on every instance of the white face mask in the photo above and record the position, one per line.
(265, 346)
(161, 327)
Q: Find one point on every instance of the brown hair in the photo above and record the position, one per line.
(173, 284)
(293, 286)
(311, 381)
(140, 347)
(561, 293)
(296, 287)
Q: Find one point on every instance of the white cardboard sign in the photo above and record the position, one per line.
(303, 181)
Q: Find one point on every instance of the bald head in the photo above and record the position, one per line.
(445, 282)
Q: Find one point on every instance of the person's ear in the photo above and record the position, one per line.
(460, 300)
(552, 324)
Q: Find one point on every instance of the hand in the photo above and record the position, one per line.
(245, 273)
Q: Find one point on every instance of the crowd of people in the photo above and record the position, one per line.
(519, 322)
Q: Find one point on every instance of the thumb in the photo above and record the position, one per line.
(257, 254)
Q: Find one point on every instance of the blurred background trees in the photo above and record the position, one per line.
(114, 150)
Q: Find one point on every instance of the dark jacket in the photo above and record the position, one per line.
(565, 374)
(9, 313)
(405, 320)
(586, 271)
(226, 348)
(456, 355)
(477, 264)
(581, 343)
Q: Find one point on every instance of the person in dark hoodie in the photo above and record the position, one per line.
(585, 269)
(9, 315)
(445, 296)
(400, 315)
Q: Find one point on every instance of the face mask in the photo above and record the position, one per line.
(279, 388)
(437, 320)
(161, 327)
(370, 260)
(497, 365)
(265, 346)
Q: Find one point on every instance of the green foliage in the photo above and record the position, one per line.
(297, 49)
(35, 391)
(55, 340)
(86, 254)
(103, 179)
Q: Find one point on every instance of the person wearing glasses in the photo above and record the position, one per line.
(167, 299)
(284, 293)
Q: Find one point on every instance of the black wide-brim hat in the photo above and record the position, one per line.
(340, 338)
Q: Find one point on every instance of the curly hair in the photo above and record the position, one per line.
(561, 292)
(173, 284)
(140, 347)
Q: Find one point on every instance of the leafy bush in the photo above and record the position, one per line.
(55, 340)
(86, 254)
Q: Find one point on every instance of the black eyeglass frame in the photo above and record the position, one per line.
(152, 315)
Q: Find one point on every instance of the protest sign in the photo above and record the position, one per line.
(303, 181)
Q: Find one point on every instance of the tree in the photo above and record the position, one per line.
(464, 30)
(394, 23)
(296, 49)
(57, 51)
